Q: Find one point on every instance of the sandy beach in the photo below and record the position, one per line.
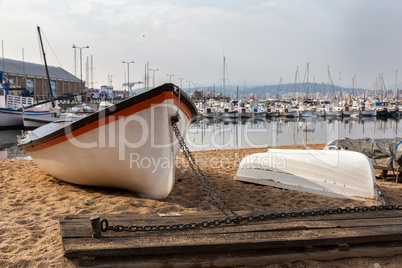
(32, 203)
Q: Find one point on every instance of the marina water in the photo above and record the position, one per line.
(207, 134)
(216, 134)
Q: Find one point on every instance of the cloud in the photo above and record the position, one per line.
(262, 40)
(81, 8)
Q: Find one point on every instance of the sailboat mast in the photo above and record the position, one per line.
(340, 84)
(2, 53)
(279, 93)
(47, 70)
(297, 71)
(396, 81)
(307, 84)
(224, 62)
(397, 90)
(92, 72)
(329, 89)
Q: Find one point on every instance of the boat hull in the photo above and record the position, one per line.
(245, 115)
(260, 114)
(14, 118)
(232, 114)
(208, 115)
(369, 113)
(306, 113)
(343, 174)
(333, 113)
(290, 114)
(131, 147)
(273, 114)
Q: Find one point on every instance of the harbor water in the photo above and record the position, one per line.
(215, 134)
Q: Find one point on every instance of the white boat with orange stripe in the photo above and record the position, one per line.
(129, 145)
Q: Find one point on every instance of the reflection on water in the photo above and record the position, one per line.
(208, 134)
(216, 134)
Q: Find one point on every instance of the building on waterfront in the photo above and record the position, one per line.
(31, 77)
(196, 95)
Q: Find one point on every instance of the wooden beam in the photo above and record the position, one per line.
(321, 237)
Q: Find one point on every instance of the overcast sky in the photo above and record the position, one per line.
(261, 40)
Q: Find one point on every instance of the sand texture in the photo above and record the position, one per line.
(33, 201)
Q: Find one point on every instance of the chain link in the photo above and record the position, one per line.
(220, 203)
(205, 184)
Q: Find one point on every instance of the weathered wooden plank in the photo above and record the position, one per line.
(216, 215)
(80, 227)
(84, 230)
(284, 234)
(240, 260)
(250, 260)
(196, 242)
(131, 219)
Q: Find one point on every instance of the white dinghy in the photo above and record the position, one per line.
(343, 174)
(130, 145)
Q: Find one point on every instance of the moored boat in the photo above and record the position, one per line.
(12, 109)
(333, 112)
(304, 111)
(350, 111)
(32, 121)
(272, 112)
(259, 113)
(243, 110)
(366, 111)
(228, 112)
(288, 112)
(130, 145)
(207, 112)
(14, 117)
(343, 174)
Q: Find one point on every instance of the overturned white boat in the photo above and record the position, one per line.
(130, 145)
(343, 174)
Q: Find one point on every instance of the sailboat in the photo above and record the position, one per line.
(32, 121)
(301, 108)
(243, 110)
(12, 107)
(332, 110)
(227, 110)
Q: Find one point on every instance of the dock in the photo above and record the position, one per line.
(254, 243)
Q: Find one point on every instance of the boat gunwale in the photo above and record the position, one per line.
(16, 111)
(102, 114)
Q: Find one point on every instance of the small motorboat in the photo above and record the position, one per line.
(343, 174)
(130, 145)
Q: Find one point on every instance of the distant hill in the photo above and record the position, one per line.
(272, 91)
